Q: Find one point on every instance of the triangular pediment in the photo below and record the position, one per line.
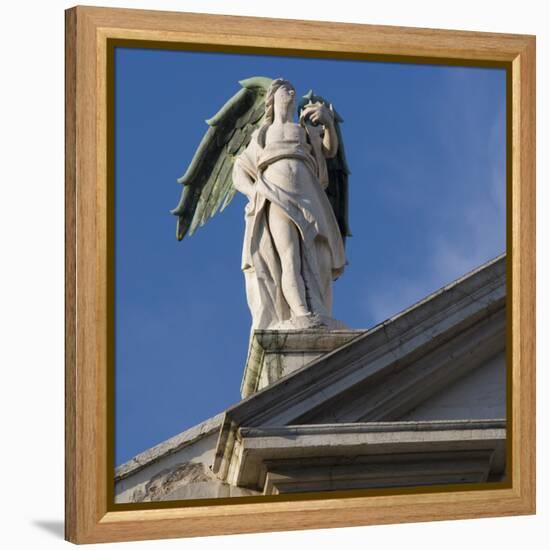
(388, 372)
(417, 400)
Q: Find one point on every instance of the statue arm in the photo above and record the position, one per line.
(242, 180)
(319, 113)
(330, 140)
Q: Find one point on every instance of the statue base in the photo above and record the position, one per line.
(273, 354)
(311, 321)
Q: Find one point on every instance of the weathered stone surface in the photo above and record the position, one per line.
(274, 354)
(168, 447)
(209, 489)
(196, 445)
(480, 394)
(401, 386)
(417, 400)
(167, 481)
(363, 455)
(402, 470)
(403, 362)
(189, 480)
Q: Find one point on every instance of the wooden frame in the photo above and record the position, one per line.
(88, 515)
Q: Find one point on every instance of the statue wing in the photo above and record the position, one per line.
(338, 170)
(208, 186)
(338, 175)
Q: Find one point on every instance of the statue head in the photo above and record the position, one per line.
(279, 95)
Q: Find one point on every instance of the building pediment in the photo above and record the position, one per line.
(418, 400)
(386, 372)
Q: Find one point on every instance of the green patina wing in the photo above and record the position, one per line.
(208, 186)
(338, 170)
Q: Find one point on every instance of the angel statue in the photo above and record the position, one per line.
(295, 178)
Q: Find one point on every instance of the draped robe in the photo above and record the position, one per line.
(299, 190)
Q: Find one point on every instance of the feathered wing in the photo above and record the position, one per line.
(338, 170)
(207, 182)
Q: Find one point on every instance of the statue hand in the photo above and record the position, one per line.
(318, 113)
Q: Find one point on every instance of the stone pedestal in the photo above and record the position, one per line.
(273, 354)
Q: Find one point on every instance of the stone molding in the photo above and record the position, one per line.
(440, 450)
(273, 354)
(478, 297)
(167, 447)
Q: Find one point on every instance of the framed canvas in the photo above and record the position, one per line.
(425, 410)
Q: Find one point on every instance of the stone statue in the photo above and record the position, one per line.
(295, 178)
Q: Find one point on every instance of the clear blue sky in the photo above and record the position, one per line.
(426, 147)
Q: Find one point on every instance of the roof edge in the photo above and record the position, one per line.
(168, 447)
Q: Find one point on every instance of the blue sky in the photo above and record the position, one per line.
(426, 148)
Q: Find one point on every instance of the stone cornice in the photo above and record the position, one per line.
(371, 427)
(397, 342)
(403, 384)
(261, 450)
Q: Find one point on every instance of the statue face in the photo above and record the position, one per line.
(284, 97)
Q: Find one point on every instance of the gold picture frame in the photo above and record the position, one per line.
(91, 35)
